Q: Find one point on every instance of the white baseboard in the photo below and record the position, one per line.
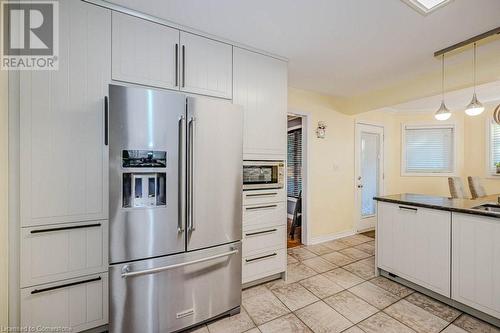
(330, 237)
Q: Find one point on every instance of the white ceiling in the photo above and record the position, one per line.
(339, 47)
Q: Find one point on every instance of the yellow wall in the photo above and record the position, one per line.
(331, 160)
(330, 165)
(3, 200)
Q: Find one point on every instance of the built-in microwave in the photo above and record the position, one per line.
(258, 175)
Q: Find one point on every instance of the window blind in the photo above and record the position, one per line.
(494, 146)
(294, 163)
(429, 149)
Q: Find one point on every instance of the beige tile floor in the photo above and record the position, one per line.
(332, 287)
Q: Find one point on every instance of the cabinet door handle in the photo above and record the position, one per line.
(37, 291)
(106, 120)
(183, 66)
(262, 257)
(260, 232)
(408, 208)
(261, 194)
(39, 231)
(261, 207)
(176, 64)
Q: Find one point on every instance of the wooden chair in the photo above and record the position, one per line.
(476, 188)
(297, 216)
(457, 190)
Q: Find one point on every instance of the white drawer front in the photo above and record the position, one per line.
(57, 252)
(264, 215)
(256, 240)
(263, 264)
(257, 197)
(76, 304)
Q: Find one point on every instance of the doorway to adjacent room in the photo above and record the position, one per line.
(296, 179)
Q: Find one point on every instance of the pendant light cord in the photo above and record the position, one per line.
(442, 78)
(474, 68)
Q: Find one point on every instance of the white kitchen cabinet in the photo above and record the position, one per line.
(78, 304)
(260, 86)
(476, 262)
(144, 52)
(263, 264)
(264, 215)
(64, 161)
(257, 197)
(414, 243)
(254, 240)
(63, 251)
(207, 66)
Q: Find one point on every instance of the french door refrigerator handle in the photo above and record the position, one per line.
(182, 176)
(191, 131)
(126, 273)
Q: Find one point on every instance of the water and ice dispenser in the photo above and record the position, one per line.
(144, 189)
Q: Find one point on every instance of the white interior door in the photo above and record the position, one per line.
(369, 173)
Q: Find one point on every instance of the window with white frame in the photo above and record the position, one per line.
(494, 145)
(428, 150)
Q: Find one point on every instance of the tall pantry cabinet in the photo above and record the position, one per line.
(63, 177)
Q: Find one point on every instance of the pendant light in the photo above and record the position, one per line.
(443, 113)
(475, 107)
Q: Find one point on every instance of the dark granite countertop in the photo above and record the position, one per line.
(443, 203)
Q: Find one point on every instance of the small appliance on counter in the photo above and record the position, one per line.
(175, 229)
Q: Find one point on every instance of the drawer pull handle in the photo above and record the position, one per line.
(263, 257)
(261, 207)
(37, 291)
(39, 231)
(260, 232)
(408, 208)
(261, 194)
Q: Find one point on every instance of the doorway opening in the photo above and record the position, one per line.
(369, 173)
(296, 162)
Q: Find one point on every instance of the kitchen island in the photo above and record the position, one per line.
(445, 248)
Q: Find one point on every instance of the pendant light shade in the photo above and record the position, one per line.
(475, 107)
(443, 113)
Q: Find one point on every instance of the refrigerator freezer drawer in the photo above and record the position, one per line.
(174, 292)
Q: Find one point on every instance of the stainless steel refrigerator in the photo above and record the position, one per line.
(175, 177)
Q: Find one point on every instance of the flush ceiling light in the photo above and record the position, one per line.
(475, 107)
(443, 113)
(426, 6)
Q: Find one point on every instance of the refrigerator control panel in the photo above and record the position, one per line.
(144, 159)
(144, 190)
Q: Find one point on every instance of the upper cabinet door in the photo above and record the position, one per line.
(260, 86)
(207, 66)
(63, 157)
(145, 52)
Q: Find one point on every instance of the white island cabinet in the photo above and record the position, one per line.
(414, 243)
(476, 262)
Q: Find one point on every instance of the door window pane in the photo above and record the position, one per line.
(370, 145)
